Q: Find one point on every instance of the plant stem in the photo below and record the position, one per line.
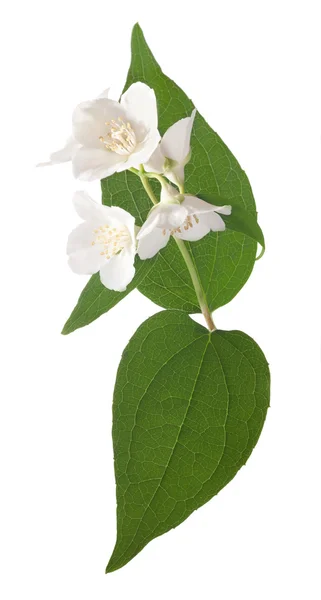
(157, 176)
(201, 297)
(148, 188)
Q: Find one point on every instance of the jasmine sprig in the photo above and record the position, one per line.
(189, 402)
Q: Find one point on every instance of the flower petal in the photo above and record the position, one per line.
(195, 205)
(172, 216)
(116, 216)
(156, 163)
(86, 261)
(139, 102)
(144, 150)
(118, 271)
(97, 214)
(224, 210)
(89, 120)
(104, 93)
(92, 163)
(150, 224)
(80, 238)
(175, 143)
(63, 155)
(170, 195)
(151, 243)
(163, 216)
(176, 174)
(215, 222)
(200, 228)
(85, 207)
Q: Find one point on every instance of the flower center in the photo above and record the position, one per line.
(188, 224)
(111, 239)
(120, 138)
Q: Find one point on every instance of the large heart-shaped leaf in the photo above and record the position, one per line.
(224, 260)
(188, 409)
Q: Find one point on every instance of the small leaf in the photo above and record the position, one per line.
(224, 260)
(240, 220)
(96, 299)
(188, 410)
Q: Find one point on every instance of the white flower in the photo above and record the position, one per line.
(105, 242)
(188, 220)
(66, 153)
(173, 152)
(109, 136)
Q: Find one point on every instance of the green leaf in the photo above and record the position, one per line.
(224, 260)
(240, 220)
(188, 410)
(96, 299)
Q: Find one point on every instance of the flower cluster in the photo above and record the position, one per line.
(109, 137)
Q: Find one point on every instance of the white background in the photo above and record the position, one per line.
(253, 70)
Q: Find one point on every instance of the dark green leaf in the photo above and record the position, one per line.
(240, 220)
(188, 410)
(224, 260)
(95, 299)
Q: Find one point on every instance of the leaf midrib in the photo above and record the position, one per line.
(179, 432)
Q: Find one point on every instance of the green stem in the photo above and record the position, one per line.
(201, 297)
(148, 188)
(157, 176)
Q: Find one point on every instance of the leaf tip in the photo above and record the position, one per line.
(65, 330)
(111, 567)
(137, 29)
